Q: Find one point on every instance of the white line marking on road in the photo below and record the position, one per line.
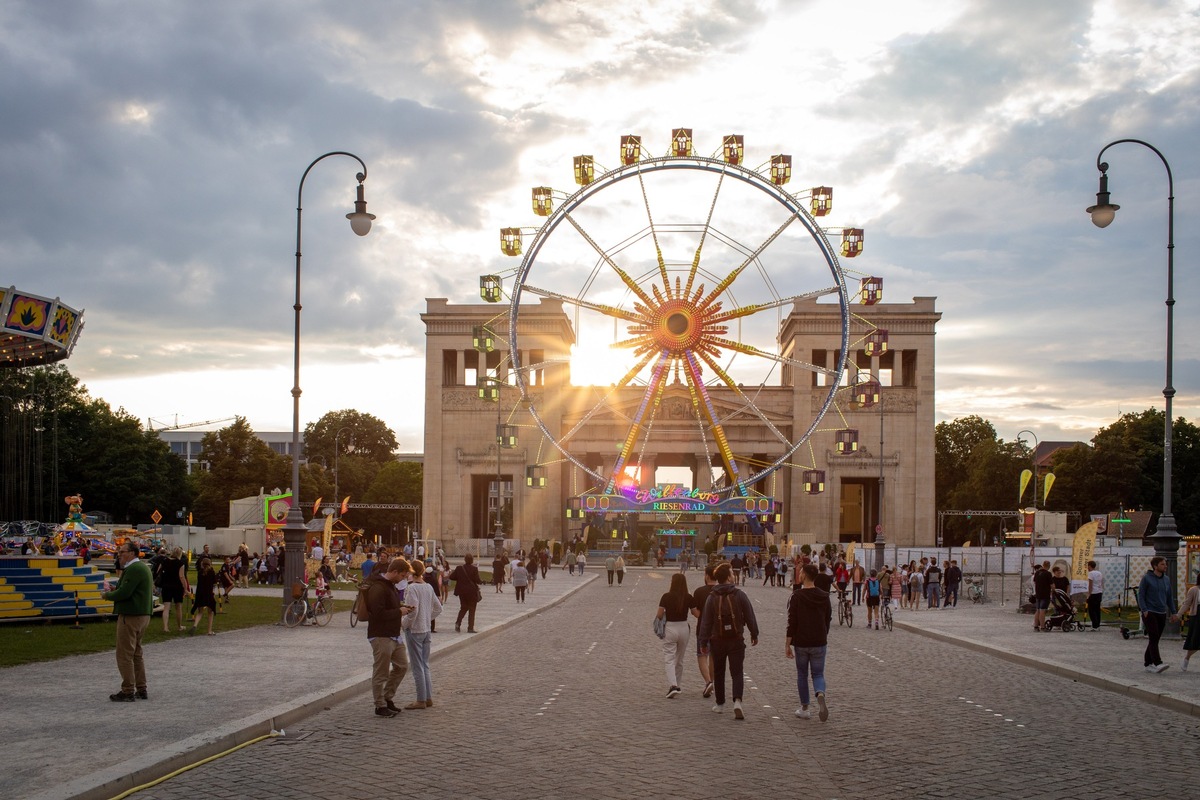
(609, 625)
(590, 649)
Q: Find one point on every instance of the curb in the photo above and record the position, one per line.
(1152, 696)
(155, 764)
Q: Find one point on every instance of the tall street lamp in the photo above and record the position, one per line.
(294, 530)
(1021, 495)
(337, 451)
(1166, 538)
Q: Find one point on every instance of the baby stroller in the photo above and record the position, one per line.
(1064, 613)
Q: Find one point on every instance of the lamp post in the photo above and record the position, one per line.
(1166, 538)
(1032, 463)
(880, 541)
(294, 530)
(337, 451)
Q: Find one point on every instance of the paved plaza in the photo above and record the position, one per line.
(565, 697)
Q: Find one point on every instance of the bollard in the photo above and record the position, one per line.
(77, 626)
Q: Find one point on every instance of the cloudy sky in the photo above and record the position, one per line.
(150, 154)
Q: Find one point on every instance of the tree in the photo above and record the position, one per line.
(364, 435)
(239, 465)
(396, 482)
(954, 444)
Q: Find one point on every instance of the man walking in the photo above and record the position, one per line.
(1043, 584)
(610, 564)
(1156, 601)
(699, 598)
(858, 575)
(809, 616)
(133, 602)
(467, 589)
(385, 617)
(953, 581)
(727, 611)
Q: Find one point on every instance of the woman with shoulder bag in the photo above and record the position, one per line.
(675, 606)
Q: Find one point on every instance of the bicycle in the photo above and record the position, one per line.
(354, 607)
(976, 590)
(845, 610)
(302, 610)
(886, 612)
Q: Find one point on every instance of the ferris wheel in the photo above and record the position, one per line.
(677, 273)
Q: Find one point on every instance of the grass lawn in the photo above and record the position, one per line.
(24, 643)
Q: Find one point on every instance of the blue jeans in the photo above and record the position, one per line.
(418, 661)
(809, 659)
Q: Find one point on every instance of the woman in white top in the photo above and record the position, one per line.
(417, 636)
(1095, 594)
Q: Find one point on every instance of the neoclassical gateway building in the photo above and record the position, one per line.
(680, 354)
(478, 448)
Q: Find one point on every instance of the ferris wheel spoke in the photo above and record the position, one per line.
(687, 289)
(732, 276)
(624, 276)
(749, 404)
(745, 311)
(750, 350)
(662, 264)
(705, 404)
(610, 311)
(657, 376)
(603, 401)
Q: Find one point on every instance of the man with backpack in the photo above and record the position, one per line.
(873, 593)
(727, 611)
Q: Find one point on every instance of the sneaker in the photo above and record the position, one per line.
(803, 713)
(674, 690)
(1150, 668)
(392, 706)
(708, 689)
(1184, 665)
(141, 694)
(737, 710)
(1162, 667)
(719, 708)
(122, 697)
(823, 714)
(384, 711)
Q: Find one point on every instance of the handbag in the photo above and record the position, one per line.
(660, 627)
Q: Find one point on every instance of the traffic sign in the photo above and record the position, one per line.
(156, 517)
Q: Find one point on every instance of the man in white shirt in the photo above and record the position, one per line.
(318, 553)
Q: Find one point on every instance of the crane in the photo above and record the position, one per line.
(177, 426)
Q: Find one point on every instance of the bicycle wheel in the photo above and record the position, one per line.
(888, 619)
(849, 617)
(323, 612)
(354, 613)
(294, 614)
(841, 614)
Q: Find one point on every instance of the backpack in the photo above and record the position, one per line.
(727, 622)
(872, 587)
(360, 604)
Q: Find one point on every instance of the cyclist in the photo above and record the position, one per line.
(873, 594)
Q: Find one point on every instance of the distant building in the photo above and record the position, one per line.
(186, 444)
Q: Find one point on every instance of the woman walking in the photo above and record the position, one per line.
(174, 587)
(675, 605)
(520, 580)
(1191, 607)
(206, 595)
(426, 606)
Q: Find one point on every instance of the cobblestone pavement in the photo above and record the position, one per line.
(571, 703)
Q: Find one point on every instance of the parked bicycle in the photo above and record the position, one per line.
(976, 589)
(354, 608)
(886, 613)
(304, 611)
(845, 609)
